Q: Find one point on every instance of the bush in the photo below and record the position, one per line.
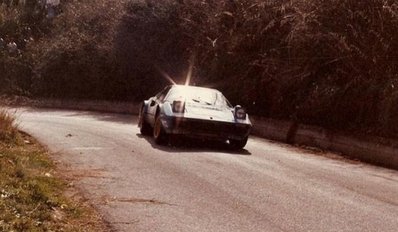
(77, 59)
(331, 63)
(21, 23)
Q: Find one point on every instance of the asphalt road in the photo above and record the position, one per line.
(139, 186)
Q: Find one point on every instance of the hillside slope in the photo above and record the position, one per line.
(329, 63)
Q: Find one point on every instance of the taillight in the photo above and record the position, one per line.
(178, 107)
(240, 113)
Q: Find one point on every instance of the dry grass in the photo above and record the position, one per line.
(8, 128)
(33, 196)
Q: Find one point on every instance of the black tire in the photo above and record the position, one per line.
(145, 128)
(238, 144)
(159, 134)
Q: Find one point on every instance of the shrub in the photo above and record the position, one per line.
(330, 63)
(76, 60)
(21, 23)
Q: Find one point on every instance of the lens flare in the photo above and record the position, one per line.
(190, 70)
(189, 74)
(166, 76)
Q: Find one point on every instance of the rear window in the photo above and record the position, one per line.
(200, 96)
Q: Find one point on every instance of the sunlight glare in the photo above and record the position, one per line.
(166, 76)
(189, 74)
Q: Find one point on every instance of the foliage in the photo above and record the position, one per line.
(21, 22)
(77, 59)
(331, 63)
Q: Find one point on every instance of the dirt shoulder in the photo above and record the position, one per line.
(35, 194)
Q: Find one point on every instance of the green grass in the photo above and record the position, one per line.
(32, 195)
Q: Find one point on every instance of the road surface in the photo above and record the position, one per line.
(139, 186)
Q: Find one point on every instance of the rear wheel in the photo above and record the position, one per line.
(145, 128)
(238, 144)
(159, 134)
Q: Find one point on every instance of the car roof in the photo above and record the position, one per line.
(193, 87)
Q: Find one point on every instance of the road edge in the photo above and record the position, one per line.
(374, 150)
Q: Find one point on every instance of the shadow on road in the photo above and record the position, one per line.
(100, 116)
(194, 145)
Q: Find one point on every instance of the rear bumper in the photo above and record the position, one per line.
(208, 129)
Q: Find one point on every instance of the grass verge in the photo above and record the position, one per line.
(8, 130)
(32, 193)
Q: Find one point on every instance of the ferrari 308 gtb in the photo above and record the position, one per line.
(194, 112)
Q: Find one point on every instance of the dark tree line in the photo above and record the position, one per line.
(327, 62)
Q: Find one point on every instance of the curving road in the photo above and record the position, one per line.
(139, 186)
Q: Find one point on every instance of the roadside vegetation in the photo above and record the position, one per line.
(8, 130)
(329, 63)
(32, 196)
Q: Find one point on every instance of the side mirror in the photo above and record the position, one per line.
(239, 112)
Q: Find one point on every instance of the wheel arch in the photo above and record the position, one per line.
(144, 104)
(143, 110)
